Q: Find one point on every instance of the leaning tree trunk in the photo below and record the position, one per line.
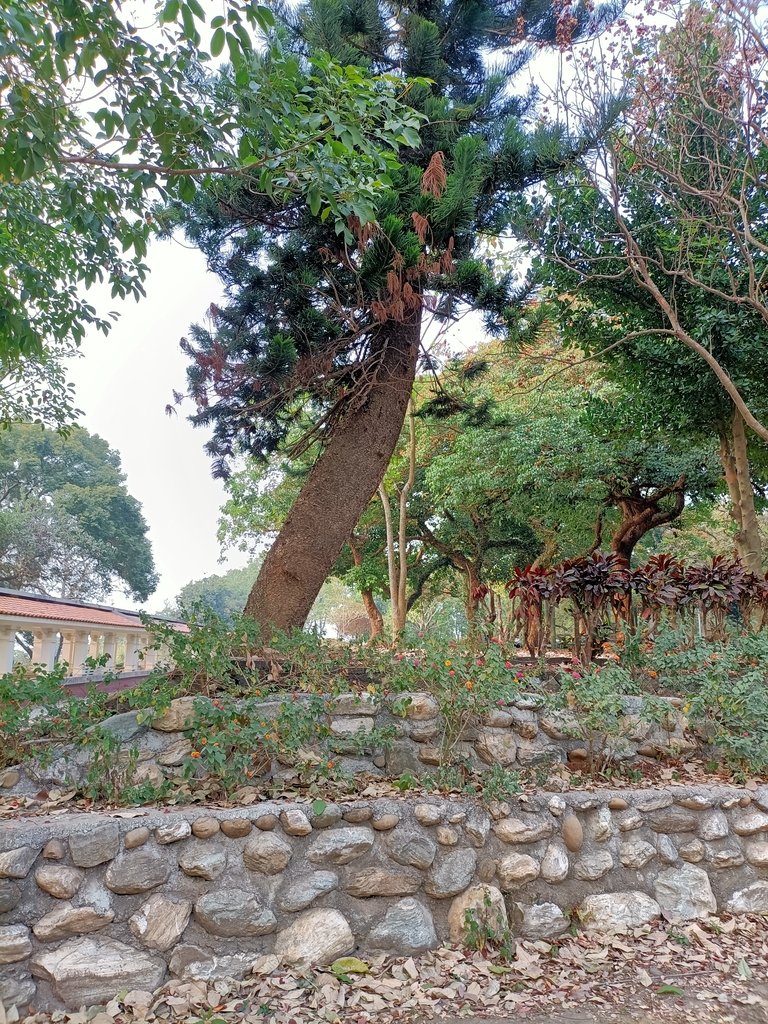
(734, 456)
(337, 488)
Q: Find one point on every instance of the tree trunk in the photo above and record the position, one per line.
(375, 617)
(642, 513)
(734, 456)
(397, 564)
(546, 557)
(473, 584)
(402, 530)
(338, 488)
(635, 523)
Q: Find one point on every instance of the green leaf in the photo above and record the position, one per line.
(349, 965)
(318, 806)
(264, 16)
(170, 12)
(188, 21)
(411, 137)
(187, 189)
(314, 200)
(669, 990)
(218, 40)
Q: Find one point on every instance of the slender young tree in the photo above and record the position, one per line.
(322, 329)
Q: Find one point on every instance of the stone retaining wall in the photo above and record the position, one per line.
(516, 735)
(91, 904)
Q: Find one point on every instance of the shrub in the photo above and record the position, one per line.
(594, 697)
(212, 656)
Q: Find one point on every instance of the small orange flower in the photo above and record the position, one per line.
(195, 753)
(652, 673)
(330, 764)
(469, 684)
(203, 741)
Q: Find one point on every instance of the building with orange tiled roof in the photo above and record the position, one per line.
(71, 631)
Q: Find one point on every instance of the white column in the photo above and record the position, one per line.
(132, 642)
(7, 646)
(49, 648)
(80, 648)
(93, 646)
(110, 648)
(37, 648)
(150, 655)
(121, 650)
(67, 644)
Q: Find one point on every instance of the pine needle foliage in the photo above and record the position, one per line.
(296, 342)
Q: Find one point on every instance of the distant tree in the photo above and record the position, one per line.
(68, 525)
(338, 610)
(558, 453)
(656, 246)
(223, 594)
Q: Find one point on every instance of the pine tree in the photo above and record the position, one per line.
(318, 342)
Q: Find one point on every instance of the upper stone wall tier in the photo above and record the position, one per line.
(91, 904)
(516, 735)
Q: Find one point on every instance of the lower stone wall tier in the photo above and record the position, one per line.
(91, 904)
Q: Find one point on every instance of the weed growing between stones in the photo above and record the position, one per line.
(486, 930)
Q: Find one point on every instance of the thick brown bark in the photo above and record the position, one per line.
(338, 488)
(642, 513)
(459, 561)
(731, 479)
(472, 585)
(375, 618)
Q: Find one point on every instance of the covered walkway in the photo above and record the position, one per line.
(71, 631)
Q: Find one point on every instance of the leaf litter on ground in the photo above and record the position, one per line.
(682, 969)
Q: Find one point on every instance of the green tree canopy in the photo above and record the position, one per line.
(225, 593)
(67, 522)
(103, 121)
(320, 331)
(656, 245)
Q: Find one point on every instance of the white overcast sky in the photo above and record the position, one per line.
(124, 382)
